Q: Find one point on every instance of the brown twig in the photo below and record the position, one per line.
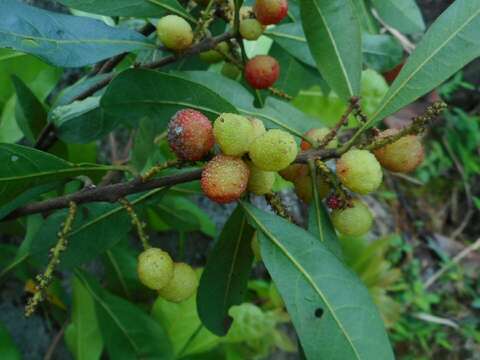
(110, 193)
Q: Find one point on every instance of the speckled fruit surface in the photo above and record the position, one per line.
(262, 71)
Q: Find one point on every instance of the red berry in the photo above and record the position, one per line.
(190, 135)
(333, 202)
(225, 179)
(270, 12)
(262, 71)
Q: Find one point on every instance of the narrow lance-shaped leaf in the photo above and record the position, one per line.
(137, 93)
(403, 15)
(30, 113)
(450, 43)
(331, 309)
(334, 37)
(83, 334)
(224, 280)
(63, 40)
(319, 224)
(24, 167)
(128, 332)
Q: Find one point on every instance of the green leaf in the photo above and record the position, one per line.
(30, 112)
(294, 75)
(450, 43)
(134, 8)
(82, 121)
(224, 280)
(69, 94)
(7, 347)
(403, 15)
(9, 130)
(319, 224)
(24, 167)
(292, 38)
(183, 326)
(367, 21)
(63, 40)
(128, 332)
(334, 37)
(83, 333)
(381, 52)
(137, 93)
(275, 113)
(331, 309)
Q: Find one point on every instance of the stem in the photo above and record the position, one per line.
(140, 226)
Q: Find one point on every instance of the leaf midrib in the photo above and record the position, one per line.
(335, 47)
(427, 59)
(307, 277)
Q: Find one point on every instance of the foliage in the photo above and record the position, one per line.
(98, 141)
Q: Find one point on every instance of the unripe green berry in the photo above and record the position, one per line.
(359, 171)
(174, 32)
(233, 133)
(155, 268)
(353, 221)
(251, 29)
(183, 284)
(404, 155)
(274, 150)
(214, 55)
(260, 181)
(317, 135)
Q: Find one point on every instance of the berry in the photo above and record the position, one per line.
(155, 268)
(359, 171)
(258, 127)
(183, 284)
(373, 89)
(190, 135)
(233, 133)
(274, 150)
(260, 182)
(404, 155)
(317, 136)
(175, 32)
(303, 185)
(270, 12)
(334, 202)
(262, 71)
(355, 220)
(251, 29)
(224, 179)
(214, 55)
(230, 71)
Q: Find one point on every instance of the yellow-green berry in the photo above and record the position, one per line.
(175, 32)
(155, 268)
(260, 181)
(353, 221)
(359, 171)
(251, 29)
(230, 71)
(233, 133)
(274, 150)
(183, 284)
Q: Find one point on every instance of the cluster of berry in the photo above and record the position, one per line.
(174, 282)
(262, 71)
(229, 174)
